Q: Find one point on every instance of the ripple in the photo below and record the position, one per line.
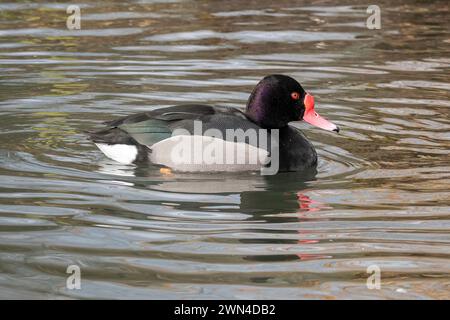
(254, 36)
(175, 48)
(48, 32)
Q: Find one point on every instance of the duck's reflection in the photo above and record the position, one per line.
(211, 183)
(282, 198)
(284, 192)
(114, 168)
(306, 207)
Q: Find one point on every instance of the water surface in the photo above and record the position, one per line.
(381, 196)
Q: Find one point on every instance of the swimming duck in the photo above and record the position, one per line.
(179, 137)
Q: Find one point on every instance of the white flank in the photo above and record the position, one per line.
(122, 153)
(191, 153)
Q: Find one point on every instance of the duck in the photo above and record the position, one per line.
(205, 138)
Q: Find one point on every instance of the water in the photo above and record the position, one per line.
(381, 196)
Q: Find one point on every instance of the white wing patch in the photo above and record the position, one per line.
(194, 153)
(122, 153)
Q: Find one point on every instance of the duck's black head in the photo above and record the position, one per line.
(278, 100)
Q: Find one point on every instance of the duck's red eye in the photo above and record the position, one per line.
(295, 95)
